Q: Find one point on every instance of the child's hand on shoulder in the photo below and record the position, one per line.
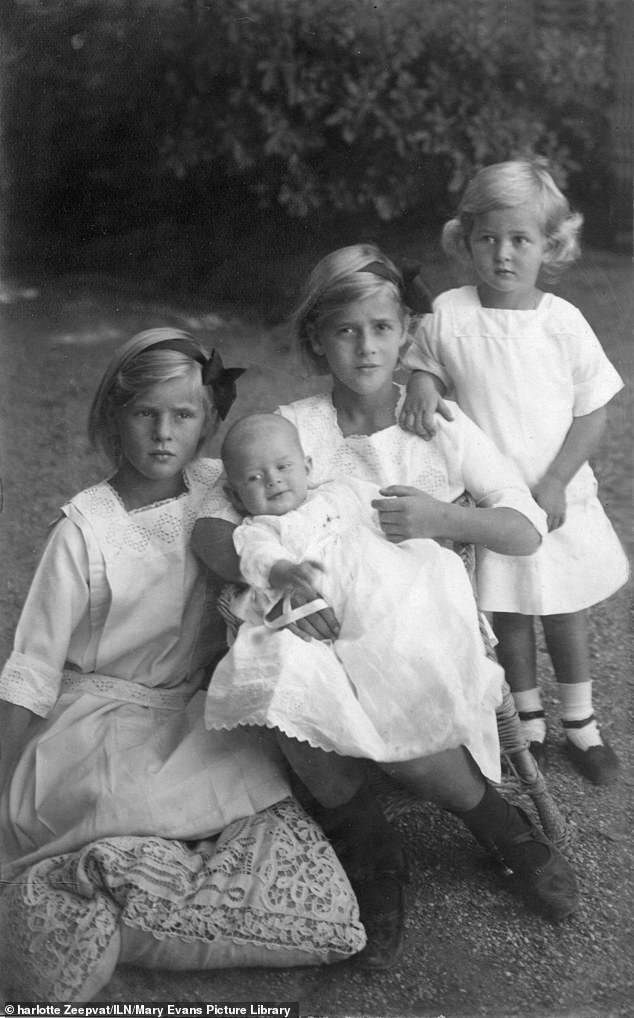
(423, 401)
(550, 494)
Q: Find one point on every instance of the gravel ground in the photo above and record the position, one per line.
(471, 948)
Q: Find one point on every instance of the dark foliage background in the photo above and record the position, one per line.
(134, 129)
(178, 163)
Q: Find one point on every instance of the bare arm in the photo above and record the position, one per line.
(423, 401)
(212, 542)
(580, 443)
(14, 721)
(406, 513)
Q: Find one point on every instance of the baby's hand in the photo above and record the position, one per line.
(422, 402)
(320, 625)
(299, 580)
(550, 494)
(295, 577)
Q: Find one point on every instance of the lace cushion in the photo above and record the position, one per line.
(55, 945)
(268, 891)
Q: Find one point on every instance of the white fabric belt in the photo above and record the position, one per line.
(131, 692)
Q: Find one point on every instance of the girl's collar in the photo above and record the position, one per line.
(538, 303)
(399, 392)
(149, 505)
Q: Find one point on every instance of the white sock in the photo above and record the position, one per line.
(531, 712)
(577, 715)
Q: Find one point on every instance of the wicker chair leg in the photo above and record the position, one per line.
(525, 776)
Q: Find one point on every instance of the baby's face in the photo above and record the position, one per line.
(269, 475)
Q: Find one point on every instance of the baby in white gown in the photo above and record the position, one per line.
(407, 675)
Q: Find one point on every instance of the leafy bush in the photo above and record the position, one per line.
(337, 106)
(115, 109)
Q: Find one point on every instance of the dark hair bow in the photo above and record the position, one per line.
(413, 289)
(416, 294)
(221, 380)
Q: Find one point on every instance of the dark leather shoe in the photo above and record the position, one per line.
(538, 752)
(382, 911)
(598, 764)
(540, 872)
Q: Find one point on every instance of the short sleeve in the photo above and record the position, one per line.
(425, 350)
(58, 598)
(595, 379)
(477, 466)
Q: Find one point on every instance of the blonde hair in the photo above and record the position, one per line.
(134, 368)
(507, 185)
(337, 281)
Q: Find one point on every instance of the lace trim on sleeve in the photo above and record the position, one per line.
(28, 683)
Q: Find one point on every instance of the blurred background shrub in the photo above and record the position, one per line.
(153, 120)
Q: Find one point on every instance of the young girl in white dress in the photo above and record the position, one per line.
(101, 732)
(527, 367)
(352, 323)
(407, 674)
(107, 771)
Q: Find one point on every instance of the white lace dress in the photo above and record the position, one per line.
(459, 458)
(119, 776)
(110, 653)
(523, 377)
(408, 675)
